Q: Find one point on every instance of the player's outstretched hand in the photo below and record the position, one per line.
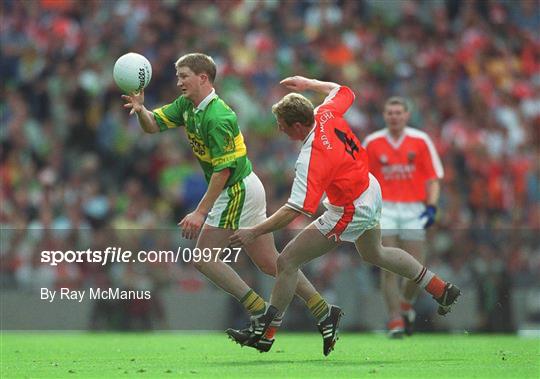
(191, 225)
(134, 101)
(296, 83)
(242, 237)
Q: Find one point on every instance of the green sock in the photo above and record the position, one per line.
(318, 306)
(253, 303)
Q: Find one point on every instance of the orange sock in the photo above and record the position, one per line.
(436, 286)
(270, 332)
(396, 323)
(431, 282)
(405, 306)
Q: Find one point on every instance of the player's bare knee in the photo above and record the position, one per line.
(372, 255)
(368, 258)
(281, 264)
(265, 260)
(285, 263)
(267, 266)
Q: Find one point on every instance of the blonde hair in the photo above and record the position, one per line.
(294, 108)
(198, 63)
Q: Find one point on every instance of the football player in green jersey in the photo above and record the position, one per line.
(235, 197)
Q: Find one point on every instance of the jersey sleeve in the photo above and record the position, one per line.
(225, 147)
(170, 116)
(337, 101)
(431, 163)
(313, 175)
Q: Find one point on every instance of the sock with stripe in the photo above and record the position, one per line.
(274, 325)
(253, 303)
(318, 307)
(431, 282)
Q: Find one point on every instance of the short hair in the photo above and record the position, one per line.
(397, 100)
(198, 63)
(294, 108)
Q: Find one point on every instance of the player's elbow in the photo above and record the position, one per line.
(226, 173)
(223, 175)
(347, 89)
(150, 129)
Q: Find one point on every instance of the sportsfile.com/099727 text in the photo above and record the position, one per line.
(118, 255)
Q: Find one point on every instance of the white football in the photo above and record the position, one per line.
(132, 72)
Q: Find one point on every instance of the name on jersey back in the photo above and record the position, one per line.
(322, 121)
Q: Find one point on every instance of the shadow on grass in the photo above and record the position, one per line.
(329, 362)
(282, 362)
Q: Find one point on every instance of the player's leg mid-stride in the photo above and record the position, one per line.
(370, 247)
(309, 244)
(353, 207)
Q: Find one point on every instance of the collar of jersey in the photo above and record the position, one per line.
(204, 103)
(311, 131)
(396, 144)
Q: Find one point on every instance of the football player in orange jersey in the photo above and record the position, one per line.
(331, 162)
(407, 166)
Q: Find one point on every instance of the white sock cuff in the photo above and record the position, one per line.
(276, 322)
(424, 277)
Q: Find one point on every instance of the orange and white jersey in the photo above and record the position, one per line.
(331, 161)
(402, 167)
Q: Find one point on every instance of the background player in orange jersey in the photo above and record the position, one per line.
(407, 166)
(331, 162)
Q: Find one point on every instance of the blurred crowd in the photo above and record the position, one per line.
(74, 166)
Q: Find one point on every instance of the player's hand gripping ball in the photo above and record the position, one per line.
(132, 73)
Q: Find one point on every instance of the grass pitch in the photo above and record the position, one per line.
(205, 355)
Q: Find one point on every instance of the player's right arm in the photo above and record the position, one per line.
(283, 217)
(338, 98)
(433, 190)
(300, 83)
(144, 116)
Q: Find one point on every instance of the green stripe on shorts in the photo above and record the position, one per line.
(223, 218)
(235, 216)
(230, 218)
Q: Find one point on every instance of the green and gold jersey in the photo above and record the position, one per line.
(213, 133)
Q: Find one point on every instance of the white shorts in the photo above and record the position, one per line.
(239, 206)
(403, 220)
(349, 222)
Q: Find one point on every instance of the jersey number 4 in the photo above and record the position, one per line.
(350, 145)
